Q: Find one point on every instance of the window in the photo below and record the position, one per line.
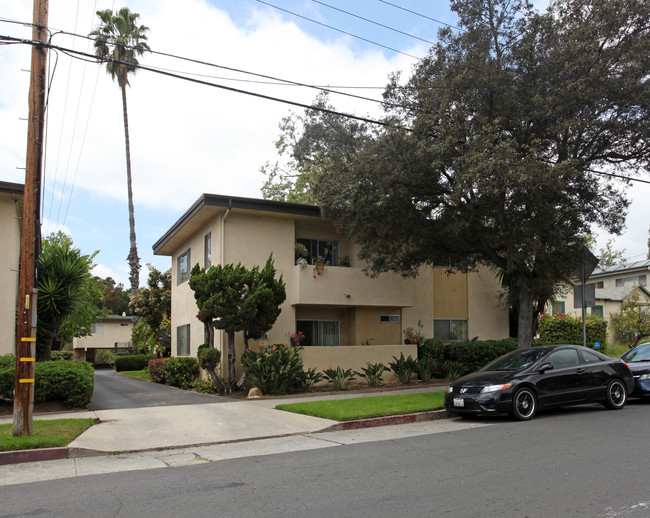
(319, 332)
(563, 358)
(183, 267)
(207, 250)
(321, 249)
(389, 318)
(450, 330)
(600, 285)
(183, 340)
(640, 280)
(97, 329)
(598, 311)
(588, 357)
(558, 308)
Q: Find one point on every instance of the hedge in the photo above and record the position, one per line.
(63, 380)
(134, 362)
(568, 330)
(175, 372)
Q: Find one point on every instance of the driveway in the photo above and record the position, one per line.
(118, 391)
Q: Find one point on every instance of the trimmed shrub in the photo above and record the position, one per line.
(134, 362)
(432, 348)
(62, 380)
(473, 355)
(568, 330)
(180, 372)
(274, 369)
(157, 370)
(104, 357)
(67, 381)
(7, 382)
(7, 360)
(62, 355)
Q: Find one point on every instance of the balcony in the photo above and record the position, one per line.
(345, 286)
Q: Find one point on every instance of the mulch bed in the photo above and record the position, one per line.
(7, 407)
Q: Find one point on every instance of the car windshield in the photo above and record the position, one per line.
(516, 360)
(638, 354)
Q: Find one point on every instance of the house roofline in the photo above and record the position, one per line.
(235, 202)
(12, 188)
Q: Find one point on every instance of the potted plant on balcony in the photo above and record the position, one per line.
(412, 336)
(301, 254)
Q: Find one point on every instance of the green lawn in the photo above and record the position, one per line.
(47, 434)
(372, 406)
(143, 374)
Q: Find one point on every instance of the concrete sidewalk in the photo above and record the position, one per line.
(174, 427)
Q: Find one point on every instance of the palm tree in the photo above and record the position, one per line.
(118, 41)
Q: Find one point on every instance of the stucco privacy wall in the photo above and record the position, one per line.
(10, 212)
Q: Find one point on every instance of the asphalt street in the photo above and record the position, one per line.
(577, 462)
(114, 391)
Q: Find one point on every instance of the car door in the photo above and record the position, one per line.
(595, 375)
(559, 385)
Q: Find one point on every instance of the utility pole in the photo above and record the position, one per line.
(30, 238)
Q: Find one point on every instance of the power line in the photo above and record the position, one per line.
(422, 15)
(338, 30)
(373, 22)
(95, 59)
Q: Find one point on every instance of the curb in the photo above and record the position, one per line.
(36, 455)
(388, 420)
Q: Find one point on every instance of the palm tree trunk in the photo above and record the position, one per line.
(133, 259)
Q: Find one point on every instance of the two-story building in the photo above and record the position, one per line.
(11, 207)
(612, 285)
(347, 317)
(112, 333)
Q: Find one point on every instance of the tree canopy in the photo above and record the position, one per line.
(236, 299)
(496, 144)
(153, 305)
(68, 296)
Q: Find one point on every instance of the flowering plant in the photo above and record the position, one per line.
(319, 267)
(296, 338)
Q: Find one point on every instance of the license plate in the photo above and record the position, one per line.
(459, 402)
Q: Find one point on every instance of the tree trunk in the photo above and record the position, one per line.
(133, 259)
(526, 300)
(231, 361)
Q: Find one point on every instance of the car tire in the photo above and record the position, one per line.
(524, 404)
(616, 396)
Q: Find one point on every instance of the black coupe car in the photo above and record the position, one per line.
(638, 359)
(527, 380)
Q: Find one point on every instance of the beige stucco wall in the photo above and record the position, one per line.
(488, 317)
(9, 262)
(341, 293)
(113, 332)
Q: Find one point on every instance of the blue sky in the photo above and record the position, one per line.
(189, 139)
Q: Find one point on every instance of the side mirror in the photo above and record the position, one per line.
(545, 367)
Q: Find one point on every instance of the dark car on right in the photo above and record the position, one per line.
(638, 360)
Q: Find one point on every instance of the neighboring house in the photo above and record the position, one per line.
(355, 318)
(113, 333)
(11, 207)
(613, 284)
